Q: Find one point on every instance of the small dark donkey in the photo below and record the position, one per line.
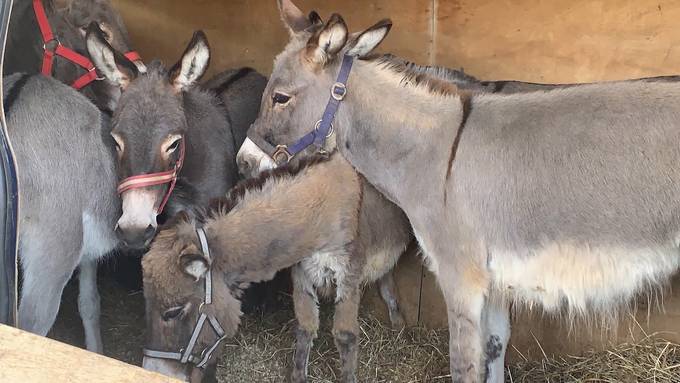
(68, 21)
(322, 244)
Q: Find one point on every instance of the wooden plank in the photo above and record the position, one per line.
(250, 33)
(559, 41)
(28, 358)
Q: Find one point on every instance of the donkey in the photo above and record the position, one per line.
(69, 205)
(68, 21)
(165, 124)
(323, 246)
(240, 91)
(384, 229)
(564, 199)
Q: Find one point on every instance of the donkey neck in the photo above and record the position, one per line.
(288, 219)
(395, 127)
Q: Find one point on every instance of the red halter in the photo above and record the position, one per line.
(153, 179)
(65, 52)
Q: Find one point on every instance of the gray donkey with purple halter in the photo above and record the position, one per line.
(567, 198)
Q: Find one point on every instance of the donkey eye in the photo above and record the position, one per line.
(173, 146)
(280, 98)
(172, 313)
(118, 142)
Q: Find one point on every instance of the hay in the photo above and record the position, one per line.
(650, 359)
(262, 350)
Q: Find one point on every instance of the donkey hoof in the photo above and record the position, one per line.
(397, 321)
(298, 377)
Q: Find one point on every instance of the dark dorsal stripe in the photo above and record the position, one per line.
(13, 93)
(466, 101)
(223, 205)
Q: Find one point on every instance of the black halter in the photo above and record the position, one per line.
(185, 355)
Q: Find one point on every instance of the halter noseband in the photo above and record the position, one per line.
(67, 53)
(185, 355)
(323, 128)
(153, 179)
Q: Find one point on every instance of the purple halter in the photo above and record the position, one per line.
(323, 129)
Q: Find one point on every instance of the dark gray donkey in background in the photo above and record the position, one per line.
(67, 191)
(68, 20)
(240, 91)
(566, 199)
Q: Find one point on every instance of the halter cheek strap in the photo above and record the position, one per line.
(67, 53)
(324, 127)
(185, 355)
(153, 179)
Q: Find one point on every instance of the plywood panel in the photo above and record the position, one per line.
(559, 41)
(26, 357)
(250, 33)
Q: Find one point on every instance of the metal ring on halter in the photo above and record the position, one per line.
(330, 131)
(55, 47)
(343, 91)
(281, 150)
(97, 78)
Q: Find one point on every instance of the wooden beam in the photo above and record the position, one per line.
(27, 358)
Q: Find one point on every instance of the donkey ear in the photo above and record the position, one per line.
(194, 265)
(314, 18)
(193, 64)
(325, 44)
(293, 17)
(113, 65)
(366, 41)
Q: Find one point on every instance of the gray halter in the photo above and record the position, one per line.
(184, 355)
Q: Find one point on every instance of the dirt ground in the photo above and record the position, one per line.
(262, 350)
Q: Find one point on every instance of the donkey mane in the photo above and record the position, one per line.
(223, 205)
(416, 75)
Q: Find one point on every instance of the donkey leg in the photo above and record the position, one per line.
(464, 293)
(307, 315)
(46, 270)
(388, 292)
(346, 331)
(88, 304)
(497, 323)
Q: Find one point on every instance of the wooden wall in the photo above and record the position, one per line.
(530, 40)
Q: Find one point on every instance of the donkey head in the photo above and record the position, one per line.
(175, 269)
(148, 126)
(72, 18)
(300, 84)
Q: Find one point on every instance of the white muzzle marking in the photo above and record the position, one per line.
(256, 159)
(139, 209)
(171, 369)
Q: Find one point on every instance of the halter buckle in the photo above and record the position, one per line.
(281, 150)
(57, 43)
(339, 91)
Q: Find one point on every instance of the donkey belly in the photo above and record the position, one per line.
(384, 232)
(580, 277)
